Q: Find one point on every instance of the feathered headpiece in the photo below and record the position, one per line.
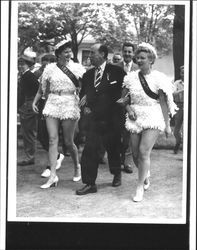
(61, 43)
(149, 47)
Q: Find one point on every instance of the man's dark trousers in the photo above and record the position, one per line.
(106, 133)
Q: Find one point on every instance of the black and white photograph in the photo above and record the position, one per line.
(98, 124)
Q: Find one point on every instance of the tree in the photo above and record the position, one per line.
(54, 20)
(76, 20)
(28, 27)
(153, 24)
(111, 26)
(108, 23)
(178, 39)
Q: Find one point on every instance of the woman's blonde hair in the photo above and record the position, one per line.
(148, 48)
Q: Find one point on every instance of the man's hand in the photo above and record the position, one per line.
(35, 108)
(123, 101)
(132, 116)
(87, 111)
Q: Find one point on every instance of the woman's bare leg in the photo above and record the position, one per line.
(148, 139)
(69, 127)
(135, 142)
(147, 142)
(53, 128)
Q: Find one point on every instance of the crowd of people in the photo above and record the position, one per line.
(118, 107)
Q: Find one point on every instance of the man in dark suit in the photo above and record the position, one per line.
(27, 89)
(101, 88)
(128, 65)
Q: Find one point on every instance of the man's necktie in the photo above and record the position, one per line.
(98, 77)
(126, 67)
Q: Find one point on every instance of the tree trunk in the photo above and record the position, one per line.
(178, 39)
(75, 53)
(74, 46)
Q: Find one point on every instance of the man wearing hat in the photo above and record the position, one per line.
(32, 55)
(28, 86)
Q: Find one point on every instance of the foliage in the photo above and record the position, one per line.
(153, 24)
(108, 23)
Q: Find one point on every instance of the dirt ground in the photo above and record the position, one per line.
(162, 201)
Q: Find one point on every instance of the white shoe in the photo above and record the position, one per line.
(50, 183)
(139, 194)
(46, 173)
(59, 161)
(77, 176)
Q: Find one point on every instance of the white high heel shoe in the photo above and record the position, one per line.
(50, 183)
(77, 176)
(59, 161)
(139, 194)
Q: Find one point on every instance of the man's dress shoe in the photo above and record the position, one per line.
(128, 169)
(117, 180)
(87, 189)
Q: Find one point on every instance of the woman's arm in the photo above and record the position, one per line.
(36, 99)
(125, 102)
(125, 99)
(164, 108)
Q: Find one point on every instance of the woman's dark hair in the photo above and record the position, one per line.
(48, 58)
(61, 48)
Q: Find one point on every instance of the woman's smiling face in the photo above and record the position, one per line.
(144, 60)
(66, 54)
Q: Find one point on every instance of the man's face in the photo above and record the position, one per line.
(117, 58)
(22, 66)
(128, 54)
(96, 57)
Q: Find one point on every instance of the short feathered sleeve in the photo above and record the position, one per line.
(128, 79)
(45, 78)
(166, 86)
(77, 69)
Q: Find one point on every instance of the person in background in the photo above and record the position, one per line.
(31, 54)
(117, 58)
(179, 100)
(42, 133)
(101, 88)
(148, 113)
(62, 106)
(128, 65)
(28, 86)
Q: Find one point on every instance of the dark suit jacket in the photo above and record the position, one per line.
(27, 90)
(133, 68)
(28, 87)
(102, 100)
